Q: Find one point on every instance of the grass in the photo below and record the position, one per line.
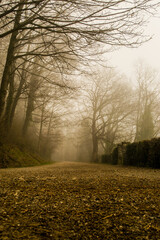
(14, 156)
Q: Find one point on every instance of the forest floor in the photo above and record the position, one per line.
(79, 201)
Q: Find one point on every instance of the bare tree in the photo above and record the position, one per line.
(106, 109)
(147, 93)
(62, 30)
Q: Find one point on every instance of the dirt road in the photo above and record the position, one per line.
(79, 201)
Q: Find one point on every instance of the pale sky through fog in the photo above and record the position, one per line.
(125, 58)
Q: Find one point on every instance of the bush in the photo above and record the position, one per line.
(131, 154)
(106, 158)
(154, 153)
(114, 159)
(141, 154)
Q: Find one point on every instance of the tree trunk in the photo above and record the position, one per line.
(47, 151)
(9, 62)
(7, 124)
(18, 94)
(30, 108)
(31, 98)
(7, 74)
(95, 149)
(41, 128)
(94, 141)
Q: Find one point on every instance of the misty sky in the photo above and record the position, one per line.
(125, 58)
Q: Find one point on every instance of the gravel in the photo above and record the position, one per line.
(79, 201)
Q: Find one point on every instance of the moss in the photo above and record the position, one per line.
(12, 156)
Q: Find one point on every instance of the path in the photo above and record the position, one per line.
(79, 201)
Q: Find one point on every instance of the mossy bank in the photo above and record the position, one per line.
(12, 155)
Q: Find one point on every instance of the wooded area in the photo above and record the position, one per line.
(47, 48)
(63, 106)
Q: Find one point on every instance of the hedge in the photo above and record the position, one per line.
(141, 154)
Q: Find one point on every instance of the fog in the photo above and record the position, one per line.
(72, 89)
(79, 119)
(126, 58)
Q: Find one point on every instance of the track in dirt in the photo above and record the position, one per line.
(79, 201)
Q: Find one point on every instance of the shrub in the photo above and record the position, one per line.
(142, 153)
(154, 153)
(114, 156)
(131, 154)
(106, 158)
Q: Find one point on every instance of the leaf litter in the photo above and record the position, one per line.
(79, 201)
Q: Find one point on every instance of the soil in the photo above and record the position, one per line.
(79, 201)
